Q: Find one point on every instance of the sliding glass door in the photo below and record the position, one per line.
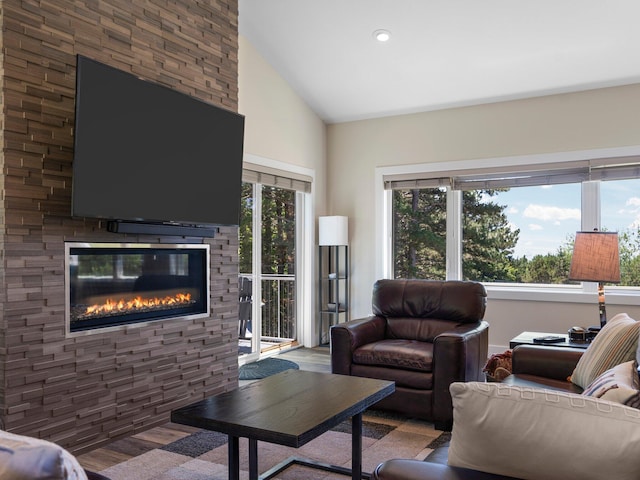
(267, 259)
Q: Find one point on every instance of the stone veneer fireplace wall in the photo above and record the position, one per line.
(84, 391)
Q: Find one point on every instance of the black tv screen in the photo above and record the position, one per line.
(146, 153)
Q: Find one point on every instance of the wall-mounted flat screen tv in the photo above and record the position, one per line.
(144, 152)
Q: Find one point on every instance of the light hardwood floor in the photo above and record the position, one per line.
(311, 359)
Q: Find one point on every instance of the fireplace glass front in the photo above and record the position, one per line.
(118, 284)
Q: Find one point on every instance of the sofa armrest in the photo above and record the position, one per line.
(346, 337)
(542, 361)
(458, 356)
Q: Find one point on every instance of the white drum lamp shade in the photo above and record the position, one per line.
(333, 230)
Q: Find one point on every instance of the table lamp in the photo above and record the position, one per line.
(596, 259)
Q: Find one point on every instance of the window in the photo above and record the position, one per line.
(419, 233)
(620, 205)
(516, 222)
(520, 234)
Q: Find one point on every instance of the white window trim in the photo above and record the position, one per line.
(548, 293)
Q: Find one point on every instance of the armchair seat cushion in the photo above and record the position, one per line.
(403, 378)
(397, 353)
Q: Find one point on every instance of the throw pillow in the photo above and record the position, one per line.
(542, 433)
(26, 458)
(625, 396)
(616, 343)
(624, 376)
(633, 400)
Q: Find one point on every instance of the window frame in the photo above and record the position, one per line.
(590, 207)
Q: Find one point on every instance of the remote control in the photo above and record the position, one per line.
(548, 339)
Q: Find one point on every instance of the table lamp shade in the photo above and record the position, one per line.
(595, 257)
(333, 230)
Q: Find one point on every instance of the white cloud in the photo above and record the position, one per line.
(485, 198)
(535, 226)
(633, 202)
(550, 213)
(513, 210)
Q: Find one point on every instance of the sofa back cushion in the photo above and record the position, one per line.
(423, 309)
(536, 434)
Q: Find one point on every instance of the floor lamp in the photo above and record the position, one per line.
(596, 259)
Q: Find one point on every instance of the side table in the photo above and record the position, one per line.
(526, 338)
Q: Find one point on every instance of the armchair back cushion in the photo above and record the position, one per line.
(406, 303)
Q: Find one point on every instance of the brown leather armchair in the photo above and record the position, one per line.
(423, 335)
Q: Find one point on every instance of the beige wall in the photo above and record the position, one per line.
(283, 132)
(558, 123)
(507, 318)
(279, 126)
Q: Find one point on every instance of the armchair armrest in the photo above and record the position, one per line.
(346, 337)
(458, 356)
(460, 347)
(548, 362)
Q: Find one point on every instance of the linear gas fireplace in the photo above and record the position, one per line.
(109, 285)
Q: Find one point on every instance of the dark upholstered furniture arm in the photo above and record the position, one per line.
(399, 469)
(549, 362)
(458, 356)
(95, 476)
(346, 337)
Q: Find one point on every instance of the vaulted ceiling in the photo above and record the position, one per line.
(442, 53)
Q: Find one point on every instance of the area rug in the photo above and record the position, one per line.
(265, 368)
(202, 455)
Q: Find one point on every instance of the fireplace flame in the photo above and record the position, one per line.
(138, 303)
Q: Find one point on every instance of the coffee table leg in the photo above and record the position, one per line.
(253, 459)
(234, 458)
(356, 447)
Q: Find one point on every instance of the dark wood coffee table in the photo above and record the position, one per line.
(290, 408)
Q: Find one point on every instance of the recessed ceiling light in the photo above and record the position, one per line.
(382, 35)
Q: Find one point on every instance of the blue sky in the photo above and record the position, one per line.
(547, 215)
